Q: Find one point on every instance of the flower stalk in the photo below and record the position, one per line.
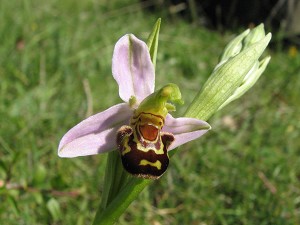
(142, 124)
(238, 70)
(115, 178)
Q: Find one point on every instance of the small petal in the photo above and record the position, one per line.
(96, 134)
(184, 129)
(132, 68)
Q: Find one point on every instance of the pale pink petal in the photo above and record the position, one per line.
(96, 134)
(132, 68)
(184, 129)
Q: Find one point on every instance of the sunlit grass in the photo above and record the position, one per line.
(55, 70)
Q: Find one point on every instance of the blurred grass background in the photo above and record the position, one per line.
(55, 70)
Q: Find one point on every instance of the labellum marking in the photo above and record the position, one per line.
(143, 146)
(144, 162)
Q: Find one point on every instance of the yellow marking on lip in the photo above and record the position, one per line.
(157, 151)
(126, 146)
(145, 162)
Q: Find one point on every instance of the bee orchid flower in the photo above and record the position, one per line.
(140, 127)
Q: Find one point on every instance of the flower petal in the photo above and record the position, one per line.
(184, 129)
(96, 134)
(132, 68)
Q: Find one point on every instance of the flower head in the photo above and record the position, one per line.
(143, 118)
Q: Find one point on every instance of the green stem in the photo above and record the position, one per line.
(115, 177)
(125, 197)
(114, 180)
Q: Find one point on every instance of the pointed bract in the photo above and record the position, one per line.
(152, 41)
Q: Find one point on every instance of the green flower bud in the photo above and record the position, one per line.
(236, 73)
(249, 81)
(233, 47)
(255, 35)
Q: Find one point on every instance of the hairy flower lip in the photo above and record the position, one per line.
(133, 70)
